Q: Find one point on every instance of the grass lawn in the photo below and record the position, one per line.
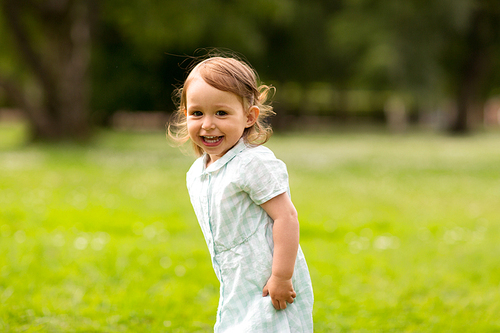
(401, 233)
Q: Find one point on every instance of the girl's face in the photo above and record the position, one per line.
(216, 119)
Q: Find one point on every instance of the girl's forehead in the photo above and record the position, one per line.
(189, 82)
(196, 81)
(199, 88)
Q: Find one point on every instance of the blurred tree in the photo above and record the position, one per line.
(145, 46)
(429, 49)
(471, 58)
(52, 39)
(424, 49)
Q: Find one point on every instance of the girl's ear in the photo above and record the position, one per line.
(185, 112)
(252, 115)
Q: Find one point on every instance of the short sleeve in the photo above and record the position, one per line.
(264, 177)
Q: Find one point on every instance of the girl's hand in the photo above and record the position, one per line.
(280, 290)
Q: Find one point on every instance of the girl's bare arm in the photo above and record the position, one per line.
(286, 244)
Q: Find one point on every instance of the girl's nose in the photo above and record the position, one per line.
(208, 124)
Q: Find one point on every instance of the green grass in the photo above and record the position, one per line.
(400, 233)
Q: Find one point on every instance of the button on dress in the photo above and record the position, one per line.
(226, 197)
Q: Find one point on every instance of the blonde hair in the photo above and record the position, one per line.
(232, 75)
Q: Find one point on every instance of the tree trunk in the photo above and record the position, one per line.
(60, 68)
(468, 97)
(474, 71)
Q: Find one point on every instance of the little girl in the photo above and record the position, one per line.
(241, 197)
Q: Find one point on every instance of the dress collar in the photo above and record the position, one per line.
(231, 153)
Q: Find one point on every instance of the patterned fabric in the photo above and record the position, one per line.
(226, 198)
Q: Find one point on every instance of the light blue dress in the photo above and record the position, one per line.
(226, 198)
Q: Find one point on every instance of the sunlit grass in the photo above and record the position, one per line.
(400, 233)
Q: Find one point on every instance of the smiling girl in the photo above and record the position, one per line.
(241, 197)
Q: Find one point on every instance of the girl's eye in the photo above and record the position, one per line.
(197, 113)
(221, 113)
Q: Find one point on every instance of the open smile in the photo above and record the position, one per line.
(212, 140)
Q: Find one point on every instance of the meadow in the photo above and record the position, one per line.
(400, 232)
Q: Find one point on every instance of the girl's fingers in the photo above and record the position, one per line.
(292, 297)
(280, 304)
(265, 291)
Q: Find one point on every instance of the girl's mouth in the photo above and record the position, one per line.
(211, 140)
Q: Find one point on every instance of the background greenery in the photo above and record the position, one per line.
(400, 233)
(70, 64)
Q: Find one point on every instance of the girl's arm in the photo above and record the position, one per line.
(286, 244)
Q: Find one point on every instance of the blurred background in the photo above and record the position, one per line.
(398, 207)
(67, 66)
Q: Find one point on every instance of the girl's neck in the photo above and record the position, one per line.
(209, 161)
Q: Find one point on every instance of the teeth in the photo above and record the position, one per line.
(211, 139)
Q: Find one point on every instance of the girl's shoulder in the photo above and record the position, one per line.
(256, 158)
(256, 153)
(261, 174)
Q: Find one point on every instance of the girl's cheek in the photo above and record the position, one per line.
(191, 129)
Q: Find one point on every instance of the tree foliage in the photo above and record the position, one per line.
(429, 50)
